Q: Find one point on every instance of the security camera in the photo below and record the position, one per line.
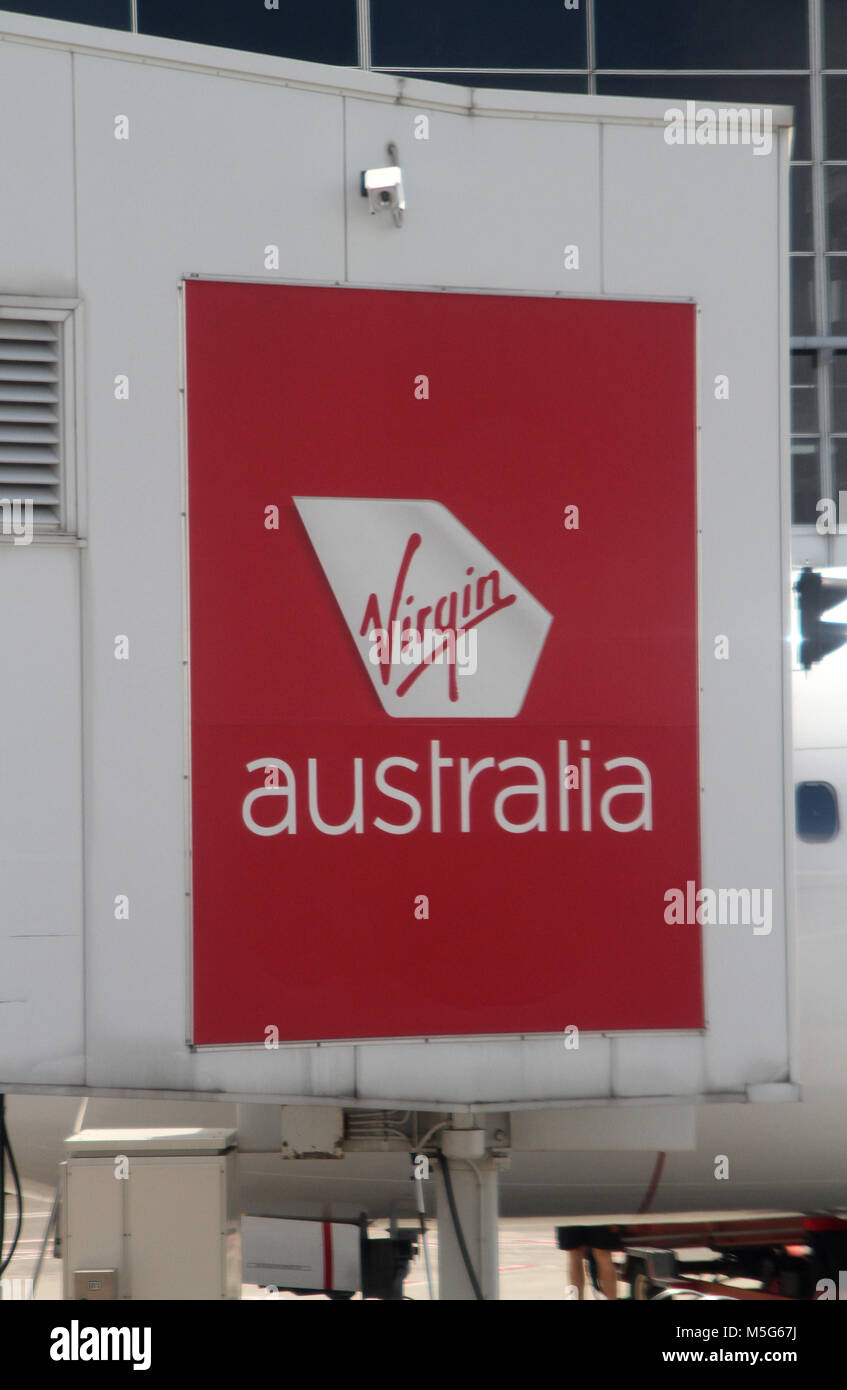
(384, 189)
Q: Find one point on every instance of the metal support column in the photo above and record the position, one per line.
(466, 1186)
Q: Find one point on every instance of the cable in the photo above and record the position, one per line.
(647, 1200)
(457, 1227)
(6, 1148)
(422, 1143)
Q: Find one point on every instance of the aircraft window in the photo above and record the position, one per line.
(816, 807)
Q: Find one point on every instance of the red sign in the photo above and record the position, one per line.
(444, 749)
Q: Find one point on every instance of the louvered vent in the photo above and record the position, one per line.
(30, 424)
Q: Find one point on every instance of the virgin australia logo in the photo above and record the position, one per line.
(417, 590)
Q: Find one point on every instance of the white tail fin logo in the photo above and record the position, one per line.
(442, 626)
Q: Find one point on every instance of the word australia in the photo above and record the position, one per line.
(399, 795)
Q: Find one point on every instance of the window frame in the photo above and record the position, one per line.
(817, 839)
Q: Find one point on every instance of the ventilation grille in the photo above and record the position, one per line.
(30, 429)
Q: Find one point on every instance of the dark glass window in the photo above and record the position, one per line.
(473, 34)
(511, 81)
(324, 33)
(109, 14)
(728, 91)
(836, 207)
(802, 296)
(801, 208)
(839, 466)
(816, 811)
(835, 34)
(700, 34)
(805, 481)
(836, 267)
(835, 97)
(839, 392)
(804, 393)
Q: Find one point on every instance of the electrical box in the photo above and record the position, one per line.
(312, 1131)
(96, 1284)
(151, 1214)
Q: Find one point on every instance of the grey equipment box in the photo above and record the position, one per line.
(151, 1214)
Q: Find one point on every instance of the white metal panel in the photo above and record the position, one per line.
(485, 1071)
(205, 179)
(211, 173)
(176, 1212)
(37, 234)
(641, 1068)
(41, 1016)
(275, 1073)
(553, 1069)
(92, 1216)
(331, 1071)
(708, 228)
(488, 203)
